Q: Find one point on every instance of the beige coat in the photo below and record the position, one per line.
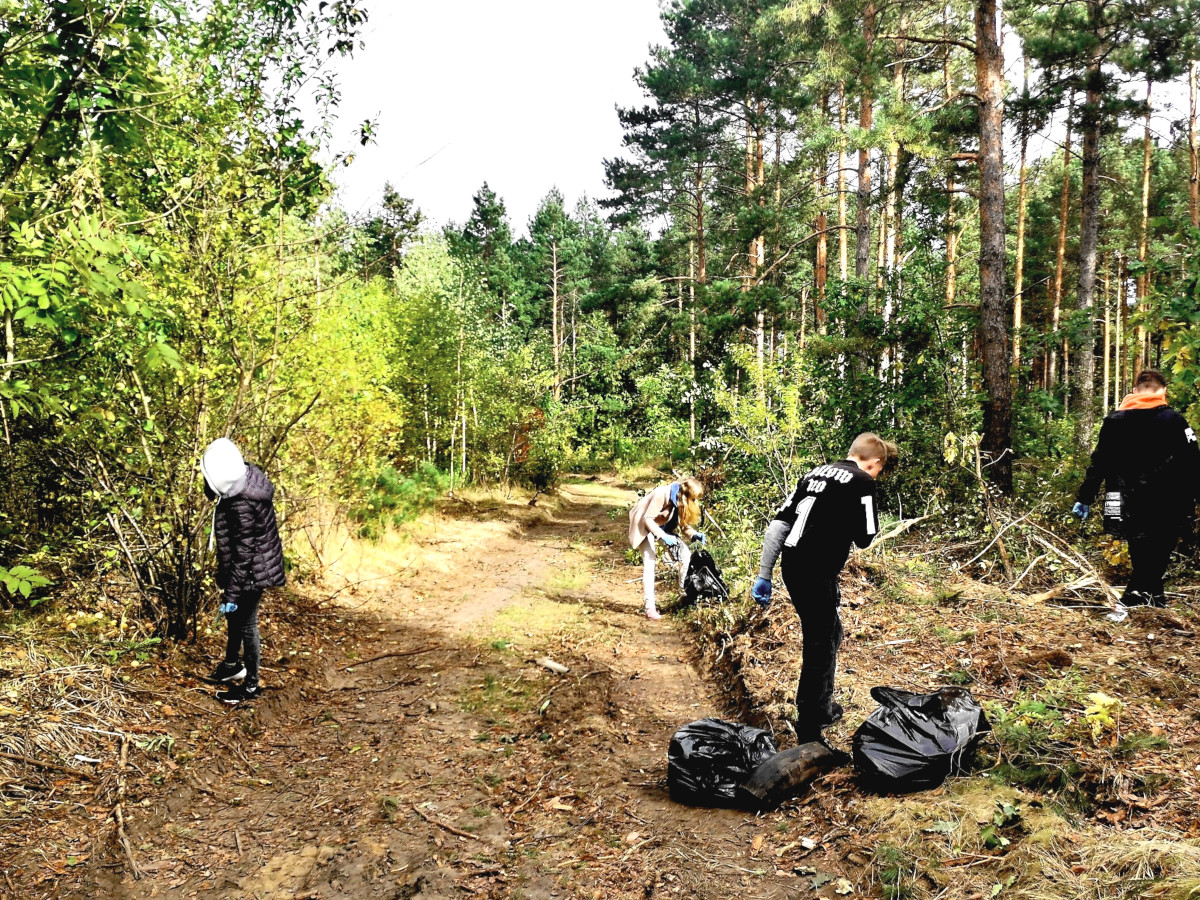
(654, 509)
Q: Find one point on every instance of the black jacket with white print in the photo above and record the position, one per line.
(1151, 457)
(831, 508)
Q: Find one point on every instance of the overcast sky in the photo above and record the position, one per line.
(519, 93)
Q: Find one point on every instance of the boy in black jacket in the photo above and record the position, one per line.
(249, 559)
(1149, 460)
(833, 506)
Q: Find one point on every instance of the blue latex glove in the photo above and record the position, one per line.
(761, 592)
(227, 608)
(699, 538)
(669, 539)
(1082, 511)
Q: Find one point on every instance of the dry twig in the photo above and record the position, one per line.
(118, 810)
(449, 828)
(389, 655)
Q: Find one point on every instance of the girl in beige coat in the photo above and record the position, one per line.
(663, 515)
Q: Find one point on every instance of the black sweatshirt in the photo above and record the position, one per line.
(1151, 457)
(833, 506)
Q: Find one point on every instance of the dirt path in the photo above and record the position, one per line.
(462, 768)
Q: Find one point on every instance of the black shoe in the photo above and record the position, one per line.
(227, 672)
(835, 714)
(1137, 598)
(240, 693)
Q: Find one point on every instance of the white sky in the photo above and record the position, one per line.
(518, 93)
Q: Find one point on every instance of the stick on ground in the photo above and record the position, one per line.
(389, 655)
(449, 828)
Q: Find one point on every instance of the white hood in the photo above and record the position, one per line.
(223, 467)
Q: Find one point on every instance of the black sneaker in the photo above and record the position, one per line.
(240, 693)
(835, 713)
(227, 672)
(1137, 598)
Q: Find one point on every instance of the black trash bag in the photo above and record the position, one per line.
(708, 760)
(913, 741)
(703, 579)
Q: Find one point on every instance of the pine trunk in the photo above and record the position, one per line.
(692, 337)
(1022, 205)
(862, 242)
(1089, 243)
(1143, 279)
(554, 317)
(1194, 143)
(1122, 323)
(842, 161)
(1107, 336)
(951, 244)
(820, 185)
(1060, 254)
(993, 318)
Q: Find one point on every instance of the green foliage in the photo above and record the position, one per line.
(23, 580)
(1177, 318)
(393, 499)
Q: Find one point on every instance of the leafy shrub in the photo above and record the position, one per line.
(393, 499)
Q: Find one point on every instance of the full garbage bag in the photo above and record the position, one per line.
(703, 579)
(708, 760)
(913, 741)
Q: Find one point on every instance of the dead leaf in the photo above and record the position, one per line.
(843, 887)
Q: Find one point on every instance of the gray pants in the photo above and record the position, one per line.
(243, 641)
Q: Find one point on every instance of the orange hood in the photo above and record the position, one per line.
(1143, 401)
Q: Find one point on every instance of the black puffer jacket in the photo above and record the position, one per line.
(249, 551)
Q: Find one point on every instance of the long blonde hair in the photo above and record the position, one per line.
(691, 490)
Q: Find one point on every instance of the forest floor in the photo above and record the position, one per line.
(407, 745)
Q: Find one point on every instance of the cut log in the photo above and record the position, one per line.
(786, 774)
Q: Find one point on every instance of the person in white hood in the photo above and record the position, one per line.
(249, 558)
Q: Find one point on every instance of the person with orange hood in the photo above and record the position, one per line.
(1149, 461)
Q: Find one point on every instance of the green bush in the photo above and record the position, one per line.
(392, 498)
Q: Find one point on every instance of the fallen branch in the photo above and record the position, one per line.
(1078, 562)
(996, 539)
(118, 811)
(1028, 569)
(30, 761)
(1059, 589)
(449, 828)
(902, 526)
(389, 655)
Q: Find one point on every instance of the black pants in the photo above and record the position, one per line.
(1150, 555)
(243, 639)
(816, 601)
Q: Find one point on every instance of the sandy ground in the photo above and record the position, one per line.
(455, 765)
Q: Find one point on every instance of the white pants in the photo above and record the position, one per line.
(648, 563)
